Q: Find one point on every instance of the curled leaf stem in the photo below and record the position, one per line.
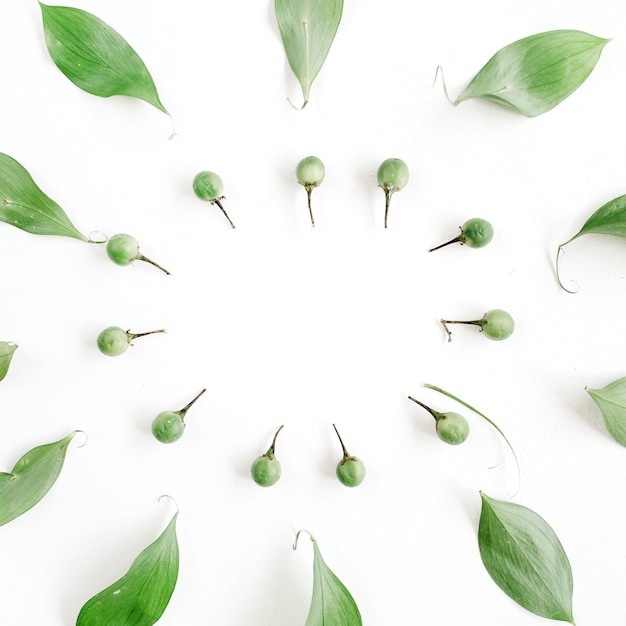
(438, 71)
(166, 495)
(141, 257)
(558, 275)
(492, 423)
(82, 432)
(219, 204)
(303, 530)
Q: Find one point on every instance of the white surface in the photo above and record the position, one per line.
(284, 324)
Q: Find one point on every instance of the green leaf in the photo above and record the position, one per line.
(612, 402)
(525, 558)
(95, 57)
(536, 73)
(24, 205)
(307, 28)
(331, 604)
(140, 597)
(609, 219)
(6, 354)
(31, 478)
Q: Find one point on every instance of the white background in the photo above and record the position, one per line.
(288, 325)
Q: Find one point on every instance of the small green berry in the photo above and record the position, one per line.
(208, 186)
(392, 175)
(113, 341)
(495, 324)
(266, 469)
(169, 426)
(475, 233)
(310, 173)
(124, 249)
(452, 428)
(350, 470)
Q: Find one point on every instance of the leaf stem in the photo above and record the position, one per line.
(219, 204)
(492, 423)
(558, 276)
(303, 530)
(438, 71)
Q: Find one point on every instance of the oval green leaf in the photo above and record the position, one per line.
(6, 354)
(31, 478)
(609, 219)
(331, 604)
(24, 205)
(140, 597)
(611, 401)
(525, 558)
(95, 57)
(307, 29)
(534, 74)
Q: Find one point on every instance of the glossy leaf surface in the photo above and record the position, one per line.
(536, 73)
(612, 402)
(95, 57)
(24, 205)
(525, 558)
(331, 604)
(140, 597)
(6, 354)
(307, 29)
(31, 478)
(609, 219)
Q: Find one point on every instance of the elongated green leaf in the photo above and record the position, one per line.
(31, 478)
(140, 597)
(308, 29)
(95, 57)
(609, 219)
(24, 205)
(6, 354)
(612, 402)
(525, 558)
(536, 73)
(331, 604)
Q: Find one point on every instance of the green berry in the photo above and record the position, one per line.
(495, 324)
(208, 186)
(310, 173)
(392, 175)
(450, 427)
(475, 233)
(124, 249)
(113, 341)
(350, 469)
(266, 469)
(169, 426)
